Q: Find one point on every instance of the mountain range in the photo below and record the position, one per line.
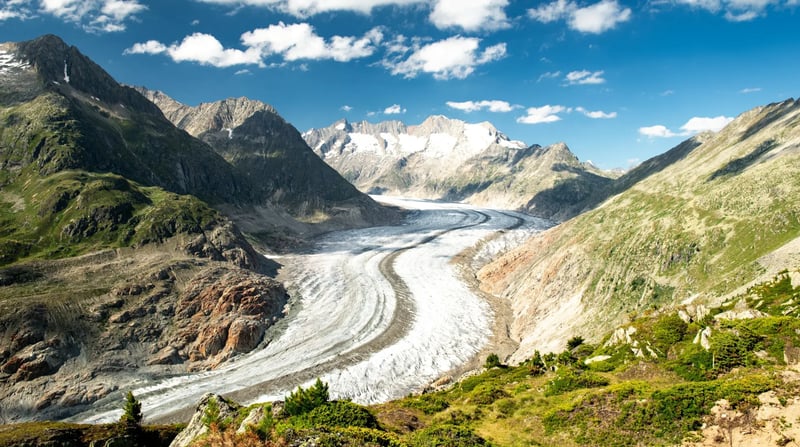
(448, 159)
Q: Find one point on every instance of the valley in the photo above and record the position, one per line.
(378, 313)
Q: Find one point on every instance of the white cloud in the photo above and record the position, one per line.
(668, 93)
(496, 106)
(290, 42)
(750, 90)
(549, 75)
(307, 8)
(454, 57)
(195, 22)
(470, 15)
(736, 10)
(597, 114)
(204, 49)
(149, 47)
(394, 109)
(695, 125)
(583, 77)
(702, 124)
(600, 17)
(595, 19)
(91, 15)
(243, 72)
(543, 114)
(346, 108)
(300, 41)
(657, 131)
(15, 9)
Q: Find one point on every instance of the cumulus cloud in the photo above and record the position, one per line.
(204, 49)
(593, 19)
(300, 41)
(290, 42)
(454, 57)
(596, 114)
(736, 10)
(695, 125)
(97, 16)
(470, 15)
(702, 124)
(394, 109)
(657, 131)
(491, 105)
(543, 114)
(346, 108)
(307, 8)
(584, 77)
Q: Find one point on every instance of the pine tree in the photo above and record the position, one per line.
(132, 411)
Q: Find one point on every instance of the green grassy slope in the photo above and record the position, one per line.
(694, 230)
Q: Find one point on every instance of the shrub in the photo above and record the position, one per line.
(492, 361)
(429, 403)
(570, 379)
(342, 414)
(302, 401)
(668, 330)
(446, 435)
(574, 342)
(131, 411)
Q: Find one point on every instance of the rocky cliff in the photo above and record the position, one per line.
(693, 225)
(449, 159)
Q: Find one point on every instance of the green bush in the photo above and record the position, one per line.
(492, 361)
(570, 379)
(342, 414)
(446, 435)
(667, 331)
(131, 411)
(302, 401)
(428, 403)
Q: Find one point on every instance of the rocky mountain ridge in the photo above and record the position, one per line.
(450, 159)
(297, 191)
(698, 223)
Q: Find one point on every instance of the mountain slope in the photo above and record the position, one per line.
(698, 223)
(112, 261)
(453, 160)
(269, 153)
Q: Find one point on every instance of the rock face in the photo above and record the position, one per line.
(163, 315)
(693, 225)
(449, 159)
(265, 149)
(199, 424)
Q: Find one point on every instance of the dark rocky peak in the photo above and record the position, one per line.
(63, 67)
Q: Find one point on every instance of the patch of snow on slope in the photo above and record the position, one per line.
(391, 143)
(410, 144)
(478, 137)
(9, 63)
(361, 142)
(440, 145)
(341, 126)
(66, 74)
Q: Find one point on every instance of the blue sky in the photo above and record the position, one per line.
(618, 81)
